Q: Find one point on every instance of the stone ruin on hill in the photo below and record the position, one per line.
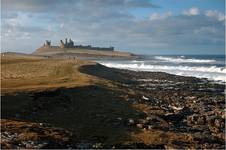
(70, 44)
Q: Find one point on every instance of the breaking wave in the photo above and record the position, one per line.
(212, 73)
(182, 59)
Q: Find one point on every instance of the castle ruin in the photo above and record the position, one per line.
(47, 43)
(70, 44)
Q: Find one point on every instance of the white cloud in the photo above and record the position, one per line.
(21, 19)
(155, 16)
(158, 16)
(215, 14)
(192, 11)
(62, 25)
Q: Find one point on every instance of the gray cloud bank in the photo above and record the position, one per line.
(27, 23)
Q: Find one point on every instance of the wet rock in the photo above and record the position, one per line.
(201, 120)
(198, 135)
(196, 119)
(219, 123)
(214, 130)
(210, 120)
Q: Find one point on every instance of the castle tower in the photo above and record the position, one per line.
(66, 41)
(47, 43)
(62, 45)
(71, 43)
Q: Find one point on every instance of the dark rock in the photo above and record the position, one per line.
(201, 120)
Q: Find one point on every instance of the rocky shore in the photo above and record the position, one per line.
(186, 105)
(133, 110)
(182, 105)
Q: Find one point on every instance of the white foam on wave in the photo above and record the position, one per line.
(211, 73)
(182, 59)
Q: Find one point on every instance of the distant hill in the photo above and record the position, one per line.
(79, 52)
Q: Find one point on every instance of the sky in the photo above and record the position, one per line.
(137, 26)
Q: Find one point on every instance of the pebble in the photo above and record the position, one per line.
(119, 118)
(219, 123)
(149, 127)
(201, 120)
(131, 122)
(97, 145)
(140, 125)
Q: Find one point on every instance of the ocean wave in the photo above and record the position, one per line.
(182, 59)
(211, 73)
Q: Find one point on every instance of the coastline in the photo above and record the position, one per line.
(200, 66)
(111, 107)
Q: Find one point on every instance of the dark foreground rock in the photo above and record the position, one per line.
(177, 104)
(141, 110)
(182, 104)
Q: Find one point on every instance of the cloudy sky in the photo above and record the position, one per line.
(139, 26)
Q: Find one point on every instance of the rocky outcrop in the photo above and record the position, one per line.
(28, 135)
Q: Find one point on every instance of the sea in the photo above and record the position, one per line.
(211, 67)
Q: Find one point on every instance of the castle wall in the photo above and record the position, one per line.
(70, 44)
(94, 48)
